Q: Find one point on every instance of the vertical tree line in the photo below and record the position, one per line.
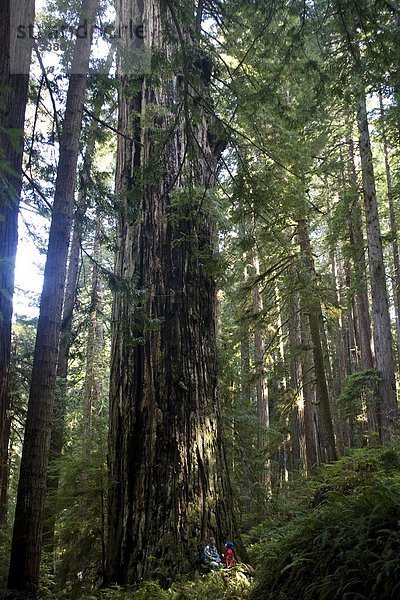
(14, 78)
(28, 524)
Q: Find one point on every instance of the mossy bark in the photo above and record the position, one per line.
(169, 486)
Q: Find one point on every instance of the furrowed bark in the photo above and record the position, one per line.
(169, 487)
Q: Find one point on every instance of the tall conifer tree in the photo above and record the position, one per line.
(169, 486)
(14, 76)
(28, 525)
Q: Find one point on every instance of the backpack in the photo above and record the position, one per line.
(203, 559)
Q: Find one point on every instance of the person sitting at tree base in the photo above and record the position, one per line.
(229, 555)
(211, 555)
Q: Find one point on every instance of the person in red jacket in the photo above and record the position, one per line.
(229, 555)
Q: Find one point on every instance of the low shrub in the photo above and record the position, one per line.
(345, 543)
(224, 585)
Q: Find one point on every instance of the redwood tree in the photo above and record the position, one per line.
(382, 334)
(27, 532)
(169, 486)
(13, 99)
(312, 306)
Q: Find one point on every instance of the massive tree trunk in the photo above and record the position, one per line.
(27, 533)
(169, 486)
(245, 385)
(313, 307)
(383, 343)
(13, 99)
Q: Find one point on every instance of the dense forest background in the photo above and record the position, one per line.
(213, 189)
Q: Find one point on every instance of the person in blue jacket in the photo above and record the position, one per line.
(211, 555)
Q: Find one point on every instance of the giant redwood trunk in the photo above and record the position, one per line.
(27, 532)
(169, 487)
(13, 99)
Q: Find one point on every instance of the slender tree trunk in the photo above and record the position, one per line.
(356, 237)
(13, 99)
(338, 374)
(331, 384)
(57, 432)
(284, 380)
(261, 382)
(353, 343)
(315, 318)
(340, 351)
(169, 485)
(345, 353)
(297, 430)
(27, 532)
(383, 344)
(341, 275)
(310, 408)
(245, 348)
(245, 443)
(93, 386)
(393, 228)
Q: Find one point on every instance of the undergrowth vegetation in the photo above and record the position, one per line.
(335, 535)
(222, 585)
(341, 539)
